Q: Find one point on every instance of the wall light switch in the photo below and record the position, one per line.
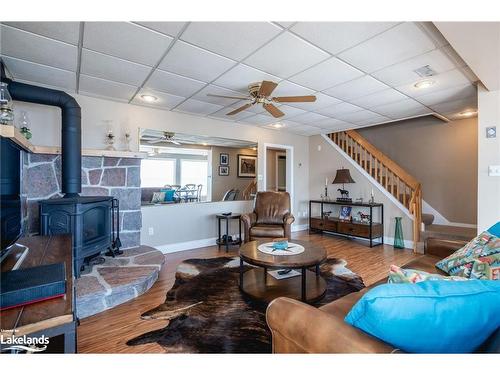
(260, 177)
(151, 231)
(491, 132)
(494, 170)
(319, 147)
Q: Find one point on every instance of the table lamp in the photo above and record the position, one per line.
(343, 176)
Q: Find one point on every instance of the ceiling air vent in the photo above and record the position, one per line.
(425, 71)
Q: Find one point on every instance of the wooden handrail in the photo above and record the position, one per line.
(384, 159)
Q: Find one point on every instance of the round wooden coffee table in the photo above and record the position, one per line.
(308, 287)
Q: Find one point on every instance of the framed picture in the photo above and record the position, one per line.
(224, 159)
(247, 166)
(345, 213)
(223, 170)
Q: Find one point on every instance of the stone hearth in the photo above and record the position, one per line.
(117, 280)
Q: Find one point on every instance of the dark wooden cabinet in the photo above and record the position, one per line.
(370, 231)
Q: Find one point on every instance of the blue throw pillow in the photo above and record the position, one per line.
(495, 229)
(169, 194)
(430, 317)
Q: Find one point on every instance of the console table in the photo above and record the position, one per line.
(370, 231)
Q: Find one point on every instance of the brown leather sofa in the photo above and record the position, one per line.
(271, 217)
(300, 328)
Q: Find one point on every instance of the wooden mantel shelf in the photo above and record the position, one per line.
(13, 133)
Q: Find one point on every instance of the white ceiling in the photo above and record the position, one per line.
(361, 72)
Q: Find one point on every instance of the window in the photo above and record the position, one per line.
(195, 172)
(157, 172)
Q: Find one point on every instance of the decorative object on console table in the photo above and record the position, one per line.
(325, 222)
(399, 242)
(343, 176)
(345, 213)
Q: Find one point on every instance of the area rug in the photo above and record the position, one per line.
(205, 311)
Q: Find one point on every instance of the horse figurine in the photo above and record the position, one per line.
(344, 193)
(365, 218)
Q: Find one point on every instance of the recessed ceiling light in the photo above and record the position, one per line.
(424, 84)
(277, 125)
(149, 98)
(468, 113)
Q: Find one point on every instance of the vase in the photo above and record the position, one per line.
(399, 242)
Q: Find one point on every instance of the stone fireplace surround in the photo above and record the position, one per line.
(101, 176)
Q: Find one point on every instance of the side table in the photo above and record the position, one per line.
(223, 241)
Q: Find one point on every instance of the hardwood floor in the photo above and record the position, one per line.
(107, 332)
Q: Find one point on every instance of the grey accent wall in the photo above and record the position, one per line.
(101, 176)
(221, 184)
(442, 156)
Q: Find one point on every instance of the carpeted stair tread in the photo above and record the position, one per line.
(448, 232)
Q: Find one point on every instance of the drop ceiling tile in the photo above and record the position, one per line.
(442, 81)
(404, 72)
(168, 28)
(198, 107)
(126, 40)
(63, 31)
(38, 49)
(216, 90)
(286, 55)
(335, 37)
(306, 130)
(356, 88)
(285, 24)
(309, 118)
(112, 68)
(456, 106)
(332, 124)
(239, 77)
(256, 108)
(326, 74)
(362, 117)
(290, 124)
(322, 101)
(449, 95)
(173, 83)
(338, 109)
(290, 111)
(30, 72)
(194, 62)
(402, 109)
(104, 88)
(237, 117)
(392, 46)
(235, 40)
(164, 100)
(287, 88)
(260, 119)
(379, 98)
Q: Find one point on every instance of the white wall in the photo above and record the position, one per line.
(45, 123)
(488, 187)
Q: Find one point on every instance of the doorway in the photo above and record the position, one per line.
(278, 168)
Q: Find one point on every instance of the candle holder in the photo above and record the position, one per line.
(110, 140)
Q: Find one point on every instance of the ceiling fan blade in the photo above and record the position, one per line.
(294, 99)
(230, 97)
(238, 110)
(266, 88)
(273, 110)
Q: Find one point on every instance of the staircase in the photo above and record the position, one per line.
(394, 179)
(250, 190)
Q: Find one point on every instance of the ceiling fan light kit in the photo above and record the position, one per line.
(260, 93)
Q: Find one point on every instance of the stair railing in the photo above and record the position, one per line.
(399, 183)
(250, 189)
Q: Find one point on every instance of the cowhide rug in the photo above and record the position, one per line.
(205, 311)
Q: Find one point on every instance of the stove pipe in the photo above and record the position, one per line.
(71, 140)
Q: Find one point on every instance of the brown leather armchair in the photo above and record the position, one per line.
(271, 217)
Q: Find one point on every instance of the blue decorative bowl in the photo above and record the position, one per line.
(280, 245)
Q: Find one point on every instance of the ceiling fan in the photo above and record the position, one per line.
(260, 93)
(167, 137)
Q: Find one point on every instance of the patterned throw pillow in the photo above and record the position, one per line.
(398, 275)
(479, 259)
